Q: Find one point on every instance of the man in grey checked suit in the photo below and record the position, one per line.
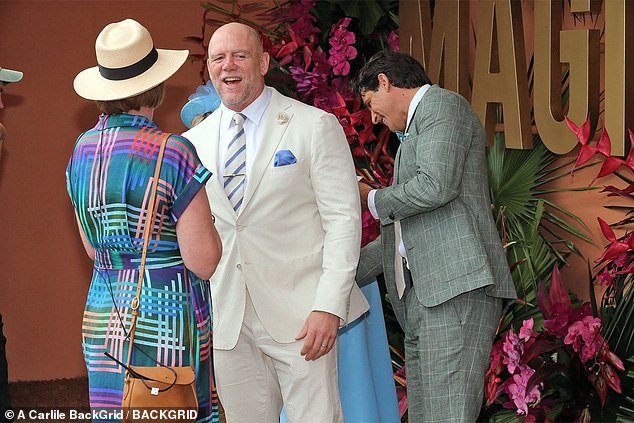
(437, 217)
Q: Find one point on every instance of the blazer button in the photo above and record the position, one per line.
(239, 266)
(391, 216)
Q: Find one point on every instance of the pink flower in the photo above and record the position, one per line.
(298, 15)
(526, 331)
(622, 260)
(580, 312)
(341, 51)
(605, 277)
(339, 34)
(582, 335)
(320, 63)
(303, 79)
(513, 348)
(393, 41)
(304, 28)
(339, 60)
(516, 389)
(312, 82)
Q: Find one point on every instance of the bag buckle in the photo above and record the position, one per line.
(154, 390)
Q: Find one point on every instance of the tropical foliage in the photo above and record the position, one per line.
(614, 269)
(555, 359)
(318, 55)
(553, 373)
(552, 380)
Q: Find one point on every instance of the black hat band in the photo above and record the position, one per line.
(135, 69)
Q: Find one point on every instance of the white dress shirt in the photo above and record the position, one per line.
(253, 113)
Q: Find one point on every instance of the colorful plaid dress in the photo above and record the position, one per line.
(109, 179)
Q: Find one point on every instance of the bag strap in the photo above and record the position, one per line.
(189, 323)
(149, 224)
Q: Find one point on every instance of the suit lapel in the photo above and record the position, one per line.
(397, 161)
(273, 127)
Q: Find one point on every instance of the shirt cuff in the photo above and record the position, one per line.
(371, 205)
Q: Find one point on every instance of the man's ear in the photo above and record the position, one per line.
(264, 63)
(384, 81)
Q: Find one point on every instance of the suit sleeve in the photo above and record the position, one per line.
(370, 263)
(441, 136)
(334, 184)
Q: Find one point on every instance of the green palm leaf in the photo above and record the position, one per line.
(536, 231)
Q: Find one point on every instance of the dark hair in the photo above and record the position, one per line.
(150, 98)
(401, 69)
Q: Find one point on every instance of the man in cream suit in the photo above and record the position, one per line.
(291, 235)
(450, 262)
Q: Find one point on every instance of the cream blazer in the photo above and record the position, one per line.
(295, 241)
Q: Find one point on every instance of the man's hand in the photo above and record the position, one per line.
(364, 189)
(319, 334)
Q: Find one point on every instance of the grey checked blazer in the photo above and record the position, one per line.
(441, 196)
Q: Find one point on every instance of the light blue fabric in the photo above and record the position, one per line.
(366, 384)
(204, 100)
(284, 158)
(401, 135)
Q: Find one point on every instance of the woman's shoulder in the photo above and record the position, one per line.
(179, 144)
(182, 151)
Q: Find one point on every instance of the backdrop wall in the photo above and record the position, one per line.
(44, 271)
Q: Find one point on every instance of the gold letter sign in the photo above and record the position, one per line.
(569, 58)
(579, 48)
(499, 74)
(618, 70)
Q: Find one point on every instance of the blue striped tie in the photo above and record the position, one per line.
(235, 163)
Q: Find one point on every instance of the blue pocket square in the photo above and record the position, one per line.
(284, 158)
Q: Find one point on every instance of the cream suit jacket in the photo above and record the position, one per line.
(295, 241)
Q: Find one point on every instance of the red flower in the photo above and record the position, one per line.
(583, 134)
(555, 305)
(616, 247)
(604, 147)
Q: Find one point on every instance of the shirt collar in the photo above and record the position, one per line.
(253, 111)
(414, 103)
(123, 119)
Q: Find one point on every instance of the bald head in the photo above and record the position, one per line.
(237, 64)
(237, 29)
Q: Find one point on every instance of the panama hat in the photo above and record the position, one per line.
(8, 75)
(128, 63)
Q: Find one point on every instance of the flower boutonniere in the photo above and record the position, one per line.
(282, 118)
